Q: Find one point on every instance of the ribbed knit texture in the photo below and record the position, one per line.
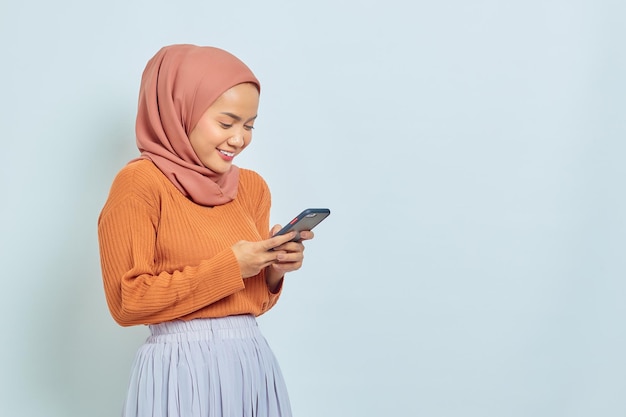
(164, 257)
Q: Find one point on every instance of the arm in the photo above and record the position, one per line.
(138, 293)
(289, 256)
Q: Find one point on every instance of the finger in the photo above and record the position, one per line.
(306, 235)
(272, 256)
(275, 229)
(285, 267)
(290, 256)
(276, 241)
(289, 247)
(264, 263)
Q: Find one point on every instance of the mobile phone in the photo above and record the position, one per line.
(306, 220)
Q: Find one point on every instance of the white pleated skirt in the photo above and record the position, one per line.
(206, 368)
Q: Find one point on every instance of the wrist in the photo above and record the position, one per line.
(274, 279)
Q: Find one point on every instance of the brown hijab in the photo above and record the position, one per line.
(178, 84)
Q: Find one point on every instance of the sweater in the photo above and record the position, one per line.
(163, 257)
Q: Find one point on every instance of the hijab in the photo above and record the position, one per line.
(177, 86)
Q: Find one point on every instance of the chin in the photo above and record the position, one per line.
(220, 169)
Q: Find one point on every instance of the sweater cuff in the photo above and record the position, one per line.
(222, 275)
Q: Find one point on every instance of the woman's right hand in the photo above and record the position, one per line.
(253, 257)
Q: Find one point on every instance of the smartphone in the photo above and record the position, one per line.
(306, 220)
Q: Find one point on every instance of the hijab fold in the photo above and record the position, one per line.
(177, 86)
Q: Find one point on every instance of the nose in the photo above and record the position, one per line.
(236, 140)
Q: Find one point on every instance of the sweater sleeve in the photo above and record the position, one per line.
(259, 202)
(137, 293)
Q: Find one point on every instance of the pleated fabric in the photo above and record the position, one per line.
(206, 368)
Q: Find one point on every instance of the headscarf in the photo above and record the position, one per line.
(177, 86)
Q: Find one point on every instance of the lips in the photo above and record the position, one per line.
(226, 156)
(226, 153)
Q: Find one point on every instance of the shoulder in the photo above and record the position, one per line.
(140, 170)
(252, 187)
(135, 194)
(140, 179)
(250, 178)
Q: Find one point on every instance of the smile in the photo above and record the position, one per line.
(229, 154)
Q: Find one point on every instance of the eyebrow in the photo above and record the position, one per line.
(237, 118)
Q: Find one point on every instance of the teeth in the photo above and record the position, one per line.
(231, 154)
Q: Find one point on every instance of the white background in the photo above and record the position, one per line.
(472, 154)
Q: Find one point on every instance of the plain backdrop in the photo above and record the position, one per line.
(472, 154)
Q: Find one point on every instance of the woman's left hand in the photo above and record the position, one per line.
(289, 258)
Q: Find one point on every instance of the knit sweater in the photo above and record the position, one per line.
(164, 257)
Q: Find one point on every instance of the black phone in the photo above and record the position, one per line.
(306, 220)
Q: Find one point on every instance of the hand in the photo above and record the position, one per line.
(254, 256)
(290, 257)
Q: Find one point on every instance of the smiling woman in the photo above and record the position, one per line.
(186, 247)
(225, 129)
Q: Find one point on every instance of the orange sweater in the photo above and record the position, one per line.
(164, 257)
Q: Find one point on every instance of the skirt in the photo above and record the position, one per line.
(206, 368)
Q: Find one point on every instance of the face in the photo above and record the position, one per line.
(225, 128)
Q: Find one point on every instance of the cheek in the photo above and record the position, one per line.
(200, 139)
(246, 140)
(209, 135)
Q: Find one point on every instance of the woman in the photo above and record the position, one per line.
(186, 248)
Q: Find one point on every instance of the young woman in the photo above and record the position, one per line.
(186, 248)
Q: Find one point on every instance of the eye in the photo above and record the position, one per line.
(248, 127)
(225, 125)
